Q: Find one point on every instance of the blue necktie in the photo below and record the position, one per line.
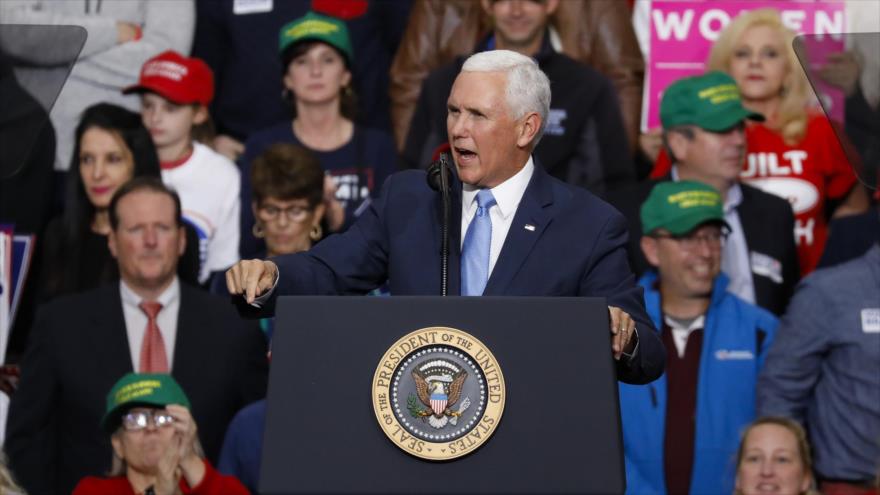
(475, 250)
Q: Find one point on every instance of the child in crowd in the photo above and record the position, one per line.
(175, 93)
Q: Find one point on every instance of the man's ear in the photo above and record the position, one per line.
(181, 240)
(551, 6)
(111, 242)
(649, 248)
(679, 144)
(528, 129)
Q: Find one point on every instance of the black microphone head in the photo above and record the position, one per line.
(438, 173)
(441, 161)
(434, 175)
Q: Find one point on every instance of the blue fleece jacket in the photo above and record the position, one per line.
(735, 340)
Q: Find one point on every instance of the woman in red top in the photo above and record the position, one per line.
(155, 447)
(795, 154)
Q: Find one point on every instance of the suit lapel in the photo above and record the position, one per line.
(109, 334)
(747, 214)
(186, 343)
(529, 222)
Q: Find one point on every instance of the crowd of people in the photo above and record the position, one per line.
(196, 133)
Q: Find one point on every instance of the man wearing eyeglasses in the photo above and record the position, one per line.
(704, 134)
(681, 431)
(147, 322)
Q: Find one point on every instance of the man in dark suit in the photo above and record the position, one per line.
(83, 343)
(520, 231)
(703, 129)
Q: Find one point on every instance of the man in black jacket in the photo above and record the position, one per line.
(147, 322)
(703, 129)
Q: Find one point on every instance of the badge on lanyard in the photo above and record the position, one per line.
(871, 320)
(766, 266)
(240, 7)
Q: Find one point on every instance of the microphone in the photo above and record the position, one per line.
(438, 170)
(438, 180)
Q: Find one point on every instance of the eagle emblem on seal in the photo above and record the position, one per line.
(438, 384)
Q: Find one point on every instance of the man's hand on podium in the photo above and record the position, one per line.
(622, 329)
(251, 278)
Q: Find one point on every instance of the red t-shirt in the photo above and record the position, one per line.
(806, 174)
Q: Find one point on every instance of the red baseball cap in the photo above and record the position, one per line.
(183, 80)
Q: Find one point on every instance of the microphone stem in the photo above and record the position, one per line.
(444, 229)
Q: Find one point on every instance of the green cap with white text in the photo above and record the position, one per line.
(710, 101)
(141, 389)
(680, 207)
(317, 27)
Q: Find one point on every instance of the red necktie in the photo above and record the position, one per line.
(153, 357)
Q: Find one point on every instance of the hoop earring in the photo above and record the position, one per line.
(258, 232)
(316, 233)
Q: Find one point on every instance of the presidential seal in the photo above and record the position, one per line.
(438, 393)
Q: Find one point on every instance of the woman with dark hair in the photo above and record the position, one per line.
(288, 205)
(288, 190)
(111, 147)
(288, 187)
(316, 56)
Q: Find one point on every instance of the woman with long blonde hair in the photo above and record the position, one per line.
(796, 153)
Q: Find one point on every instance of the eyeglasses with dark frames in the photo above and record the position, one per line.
(293, 213)
(715, 240)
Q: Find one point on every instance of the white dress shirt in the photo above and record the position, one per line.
(681, 333)
(735, 254)
(507, 195)
(136, 320)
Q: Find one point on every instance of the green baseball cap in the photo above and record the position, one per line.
(681, 206)
(141, 389)
(317, 27)
(710, 101)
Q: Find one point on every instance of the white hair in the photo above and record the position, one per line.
(528, 88)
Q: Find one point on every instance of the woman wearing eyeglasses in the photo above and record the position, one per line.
(288, 205)
(155, 447)
(288, 192)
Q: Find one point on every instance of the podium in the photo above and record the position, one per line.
(560, 427)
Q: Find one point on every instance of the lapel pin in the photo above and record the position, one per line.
(529, 227)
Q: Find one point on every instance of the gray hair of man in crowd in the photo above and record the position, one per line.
(528, 88)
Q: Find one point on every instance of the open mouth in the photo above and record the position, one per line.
(465, 154)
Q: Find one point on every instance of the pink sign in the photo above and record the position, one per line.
(682, 33)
